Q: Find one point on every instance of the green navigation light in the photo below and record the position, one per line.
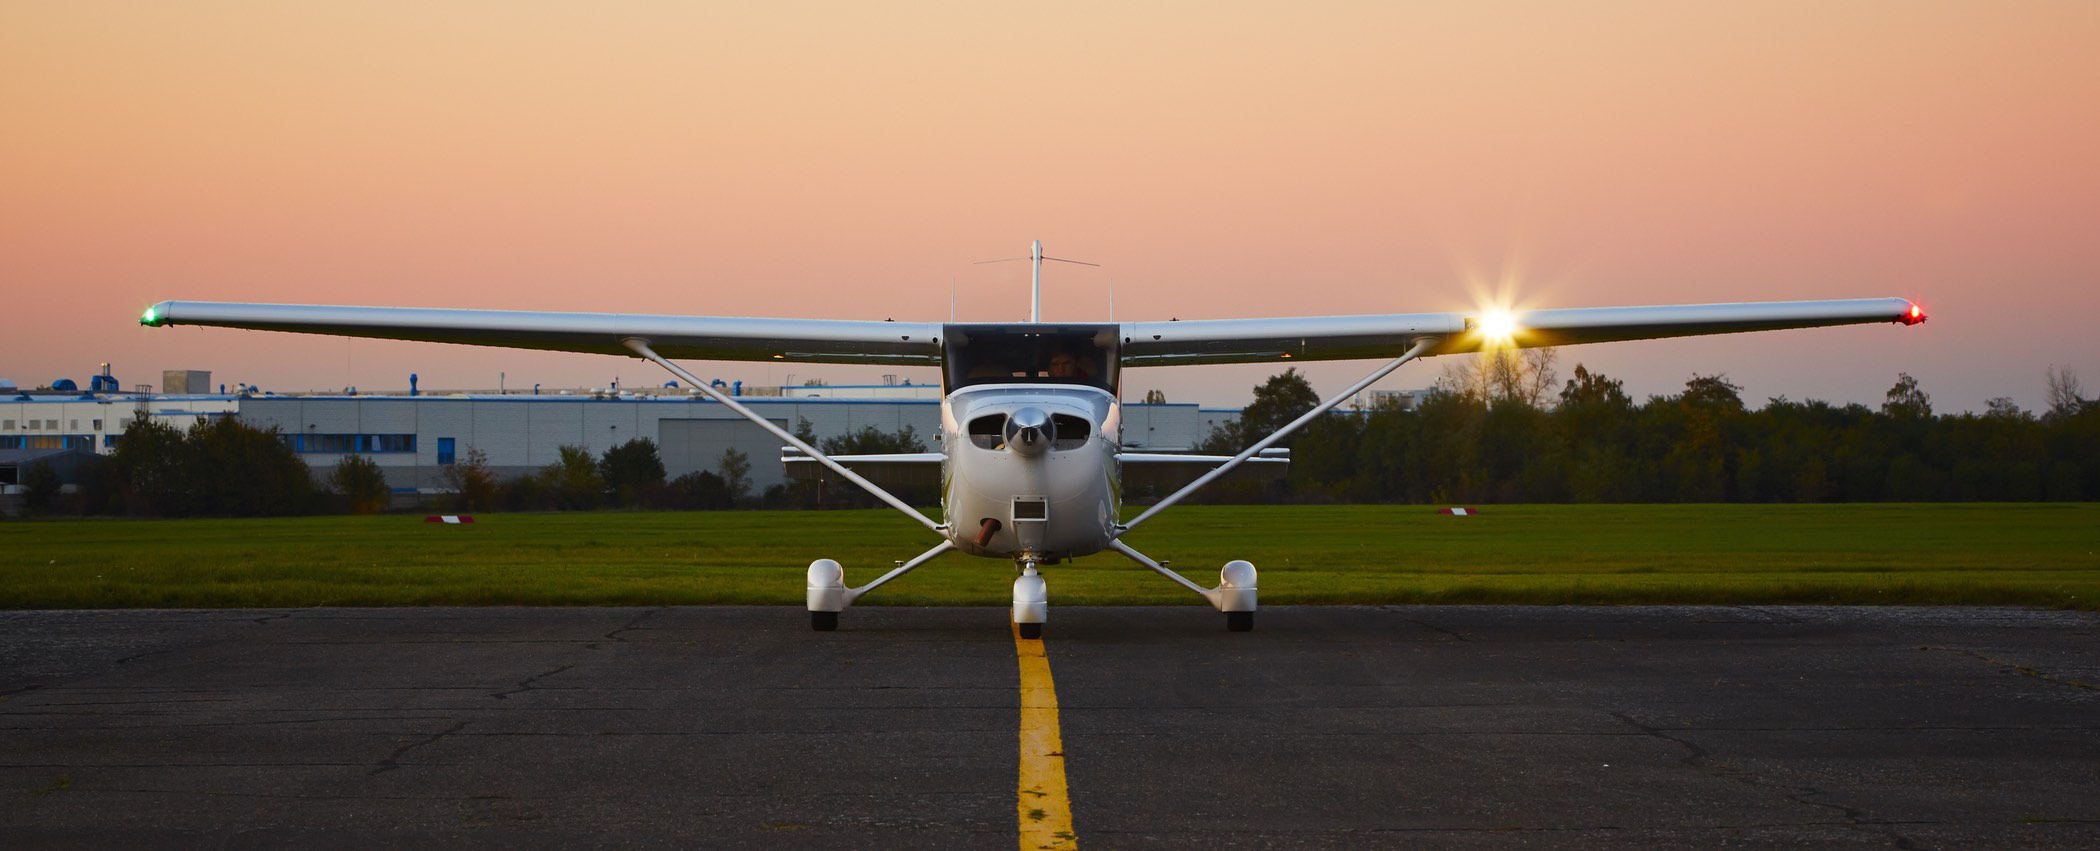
(149, 320)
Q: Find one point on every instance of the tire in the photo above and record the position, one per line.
(1239, 621)
(823, 621)
(1030, 631)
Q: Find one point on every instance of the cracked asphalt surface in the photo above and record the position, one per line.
(1326, 727)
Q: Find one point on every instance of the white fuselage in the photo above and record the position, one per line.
(1051, 494)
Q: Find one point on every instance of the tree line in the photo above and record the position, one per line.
(1495, 429)
(1503, 429)
(222, 467)
(632, 475)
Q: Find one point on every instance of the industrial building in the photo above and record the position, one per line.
(46, 419)
(413, 437)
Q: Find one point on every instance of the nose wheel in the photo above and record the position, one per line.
(1031, 602)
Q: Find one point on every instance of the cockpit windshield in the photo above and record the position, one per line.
(1030, 354)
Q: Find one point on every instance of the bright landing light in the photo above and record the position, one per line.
(1498, 327)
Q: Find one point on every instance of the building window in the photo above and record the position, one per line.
(10, 425)
(14, 442)
(98, 425)
(110, 440)
(445, 450)
(389, 442)
(343, 444)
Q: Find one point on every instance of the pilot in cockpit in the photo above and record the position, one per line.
(1065, 363)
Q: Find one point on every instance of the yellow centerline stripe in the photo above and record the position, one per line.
(1044, 809)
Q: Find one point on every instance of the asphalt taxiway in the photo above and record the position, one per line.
(1325, 727)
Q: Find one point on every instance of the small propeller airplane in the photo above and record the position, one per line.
(1032, 464)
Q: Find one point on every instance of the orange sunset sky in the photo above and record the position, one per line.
(850, 160)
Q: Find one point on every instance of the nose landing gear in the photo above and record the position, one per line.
(1031, 601)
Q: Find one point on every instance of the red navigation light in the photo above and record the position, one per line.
(1915, 316)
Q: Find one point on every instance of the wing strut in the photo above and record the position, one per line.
(1210, 594)
(853, 594)
(641, 347)
(1421, 345)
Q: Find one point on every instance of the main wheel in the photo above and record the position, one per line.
(1030, 630)
(823, 621)
(1239, 621)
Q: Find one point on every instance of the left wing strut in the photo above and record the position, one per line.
(641, 347)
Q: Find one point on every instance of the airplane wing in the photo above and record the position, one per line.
(679, 337)
(1206, 341)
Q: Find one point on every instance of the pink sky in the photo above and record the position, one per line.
(850, 160)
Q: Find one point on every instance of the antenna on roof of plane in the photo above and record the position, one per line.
(1035, 289)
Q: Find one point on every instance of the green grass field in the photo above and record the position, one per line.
(2028, 554)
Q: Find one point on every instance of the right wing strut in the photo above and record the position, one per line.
(1421, 345)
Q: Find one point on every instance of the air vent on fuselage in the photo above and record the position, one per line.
(1071, 431)
(988, 431)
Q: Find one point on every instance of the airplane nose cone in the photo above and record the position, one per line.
(1029, 431)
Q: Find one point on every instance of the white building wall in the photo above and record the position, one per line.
(500, 430)
(1162, 428)
(609, 423)
(551, 425)
(386, 416)
(698, 443)
(435, 421)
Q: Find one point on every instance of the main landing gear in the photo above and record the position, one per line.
(828, 594)
(1235, 594)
